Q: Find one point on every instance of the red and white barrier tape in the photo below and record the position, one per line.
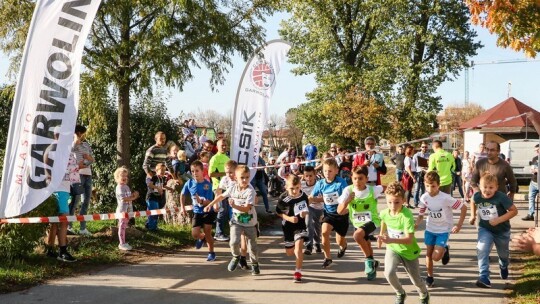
(89, 217)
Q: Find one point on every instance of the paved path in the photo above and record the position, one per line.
(186, 277)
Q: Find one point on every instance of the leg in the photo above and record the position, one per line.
(52, 235)
(264, 193)
(221, 218)
(251, 237)
(122, 223)
(86, 181)
(243, 245)
(208, 237)
(152, 219)
(483, 248)
(391, 262)
(459, 183)
(502, 242)
(429, 260)
(326, 229)
(413, 269)
(533, 192)
(234, 243)
(309, 223)
(359, 236)
(196, 233)
(317, 235)
(299, 253)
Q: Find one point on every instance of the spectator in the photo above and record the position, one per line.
(156, 154)
(259, 181)
(216, 170)
(310, 152)
(421, 159)
(397, 160)
(533, 186)
(456, 174)
(372, 159)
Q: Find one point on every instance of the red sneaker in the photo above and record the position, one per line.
(297, 277)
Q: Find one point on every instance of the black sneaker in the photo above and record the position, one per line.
(425, 300)
(341, 252)
(430, 281)
(327, 263)
(446, 256)
(483, 282)
(400, 298)
(255, 270)
(503, 273)
(269, 211)
(233, 263)
(318, 248)
(529, 217)
(66, 257)
(243, 263)
(308, 250)
(51, 253)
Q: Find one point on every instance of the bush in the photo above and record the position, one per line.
(20, 240)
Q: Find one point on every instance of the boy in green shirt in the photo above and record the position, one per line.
(397, 231)
(360, 201)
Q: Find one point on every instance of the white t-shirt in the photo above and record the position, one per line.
(439, 211)
(410, 162)
(242, 198)
(226, 182)
(377, 191)
(307, 190)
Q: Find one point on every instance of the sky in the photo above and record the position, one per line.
(489, 84)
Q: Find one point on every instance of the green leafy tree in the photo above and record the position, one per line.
(135, 45)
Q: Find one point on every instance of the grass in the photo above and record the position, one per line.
(526, 290)
(93, 253)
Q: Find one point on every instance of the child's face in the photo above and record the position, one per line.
(205, 159)
(242, 178)
(330, 172)
(197, 173)
(123, 178)
(174, 151)
(432, 188)
(309, 177)
(488, 189)
(160, 170)
(395, 203)
(230, 173)
(294, 190)
(359, 181)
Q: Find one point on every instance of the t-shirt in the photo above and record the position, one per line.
(308, 190)
(121, 192)
(293, 206)
(226, 182)
(245, 197)
(330, 193)
(492, 208)
(443, 162)
(217, 164)
(439, 211)
(363, 207)
(409, 162)
(157, 181)
(397, 226)
(202, 189)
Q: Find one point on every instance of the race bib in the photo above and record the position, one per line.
(395, 234)
(436, 216)
(362, 217)
(488, 213)
(331, 198)
(300, 207)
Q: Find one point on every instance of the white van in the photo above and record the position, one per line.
(519, 153)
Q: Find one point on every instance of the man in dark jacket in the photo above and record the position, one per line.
(398, 160)
(456, 174)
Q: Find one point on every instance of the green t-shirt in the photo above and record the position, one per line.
(492, 208)
(217, 164)
(443, 162)
(363, 210)
(397, 226)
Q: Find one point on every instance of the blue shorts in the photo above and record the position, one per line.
(62, 199)
(436, 239)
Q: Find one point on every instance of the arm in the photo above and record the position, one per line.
(216, 200)
(462, 215)
(134, 196)
(512, 211)
(475, 179)
(528, 241)
(419, 220)
(472, 219)
(243, 209)
(382, 233)
(147, 162)
(431, 163)
(512, 181)
(344, 200)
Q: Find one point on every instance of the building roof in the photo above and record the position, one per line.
(508, 108)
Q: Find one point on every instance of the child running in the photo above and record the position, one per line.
(201, 194)
(360, 202)
(397, 231)
(440, 222)
(495, 210)
(124, 199)
(292, 208)
(244, 218)
(328, 190)
(313, 219)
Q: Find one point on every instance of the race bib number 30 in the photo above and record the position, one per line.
(488, 213)
(331, 198)
(300, 207)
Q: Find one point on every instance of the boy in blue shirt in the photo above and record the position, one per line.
(201, 194)
(328, 190)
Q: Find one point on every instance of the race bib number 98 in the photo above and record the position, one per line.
(488, 213)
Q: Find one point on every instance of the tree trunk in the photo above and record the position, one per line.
(123, 134)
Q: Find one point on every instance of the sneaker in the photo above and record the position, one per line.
(70, 231)
(298, 277)
(400, 298)
(255, 270)
(483, 282)
(51, 253)
(373, 266)
(430, 281)
(446, 257)
(243, 263)
(308, 250)
(199, 243)
(269, 212)
(341, 252)
(372, 276)
(211, 257)
(369, 266)
(318, 248)
(529, 217)
(124, 247)
(233, 263)
(85, 232)
(327, 263)
(425, 300)
(221, 238)
(66, 257)
(503, 273)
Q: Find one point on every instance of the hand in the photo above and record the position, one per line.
(207, 209)
(160, 190)
(472, 220)
(510, 195)
(366, 162)
(184, 212)
(494, 222)
(456, 229)
(135, 194)
(524, 242)
(87, 157)
(382, 238)
(293, 219)
(535, 233)
(303, 214)
(376, 165)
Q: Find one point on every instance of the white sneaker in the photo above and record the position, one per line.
(85, 232)
(125, 247)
